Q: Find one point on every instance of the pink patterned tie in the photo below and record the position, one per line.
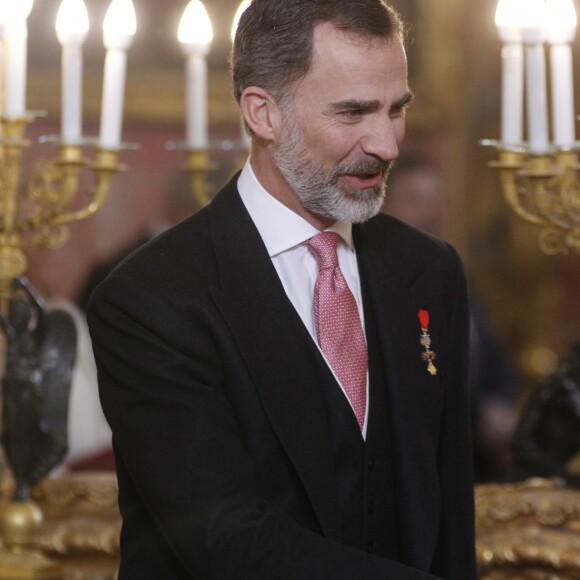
(338, 326)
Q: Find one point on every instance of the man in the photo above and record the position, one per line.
(276, 416)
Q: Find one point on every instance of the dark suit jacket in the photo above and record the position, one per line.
(210, 382)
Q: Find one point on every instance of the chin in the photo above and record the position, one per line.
(357, 211)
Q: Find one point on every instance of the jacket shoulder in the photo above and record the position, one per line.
(386, 233)
(182, 258)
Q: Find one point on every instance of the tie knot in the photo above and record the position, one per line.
(323, 247)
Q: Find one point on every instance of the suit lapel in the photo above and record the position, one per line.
(395, 291)
(280, 356)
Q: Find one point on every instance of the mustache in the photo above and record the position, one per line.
(364, 168)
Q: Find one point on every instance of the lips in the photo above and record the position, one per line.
(364, 180)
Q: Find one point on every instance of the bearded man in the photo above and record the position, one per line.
(285, 371)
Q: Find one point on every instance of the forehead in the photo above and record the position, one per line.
(347, 63)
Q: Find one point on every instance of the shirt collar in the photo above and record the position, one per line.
(280, 228)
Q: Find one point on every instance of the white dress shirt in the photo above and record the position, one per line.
(284, 233)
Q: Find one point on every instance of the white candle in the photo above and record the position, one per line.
(113, 98)
(195, 35)
(2, 92)
(72, 26)
(14, 18)
(3, 16)
(560, 32)
(196, 125)
(507, 20)
(537, 99)
(71, 115)
(512, 114)
(563, 96)
(533, 21)
(15, 42)
(119, 29)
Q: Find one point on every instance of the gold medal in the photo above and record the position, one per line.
(428, 355)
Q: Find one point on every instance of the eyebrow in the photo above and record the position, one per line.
(354, 105)
(368, 106)
(403, 101)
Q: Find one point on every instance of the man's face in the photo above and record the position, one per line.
(342, 125)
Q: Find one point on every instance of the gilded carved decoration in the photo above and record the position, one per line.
(81, 524)
(528, 530)
(81, 515)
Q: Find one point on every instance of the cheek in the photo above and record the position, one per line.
(399, 126)
(333, 145)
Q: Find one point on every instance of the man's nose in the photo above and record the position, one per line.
(382, 140)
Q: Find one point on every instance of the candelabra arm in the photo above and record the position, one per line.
(543, 190)
(510, 166)
(51, 193)
(105, 167)
(52, 189)
(570, 187)
(71, 163)
(544, 181)
(199, 167)
(567, 160)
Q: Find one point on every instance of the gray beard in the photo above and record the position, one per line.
(318, 189)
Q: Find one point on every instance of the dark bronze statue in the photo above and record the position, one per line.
(40, 355)
(548, 434)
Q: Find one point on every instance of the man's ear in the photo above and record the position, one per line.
(261, 113)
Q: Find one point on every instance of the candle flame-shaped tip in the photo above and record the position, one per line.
(508, 13)
(561, 20)
(15, 10)
(518, 20)
(520, 13)
(120, 24)
(508, 20)
(195, 27)
(533, 14)
(72, 22)
(241, 9)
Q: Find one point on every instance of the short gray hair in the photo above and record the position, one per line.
(273, 43)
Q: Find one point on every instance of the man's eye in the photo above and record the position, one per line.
(398, 111)
(352, 114)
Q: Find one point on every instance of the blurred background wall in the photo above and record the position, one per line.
(531, 301)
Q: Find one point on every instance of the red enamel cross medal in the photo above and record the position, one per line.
(428, 355)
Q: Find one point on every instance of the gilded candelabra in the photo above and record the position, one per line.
(539, 176)
(38, 213)
(543, 190)
(41, 212)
